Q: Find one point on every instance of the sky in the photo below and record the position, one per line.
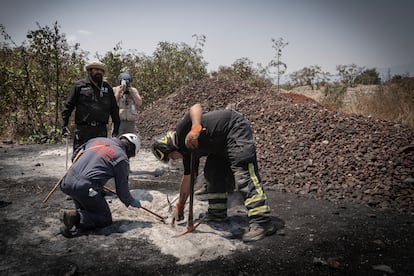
(327, 33)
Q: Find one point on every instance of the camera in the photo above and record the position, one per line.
(125, 84)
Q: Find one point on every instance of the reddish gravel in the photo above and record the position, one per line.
(303, 147)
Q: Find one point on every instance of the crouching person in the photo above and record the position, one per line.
(97, 161)
(226, 138)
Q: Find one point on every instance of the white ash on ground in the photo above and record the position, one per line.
(206, 242)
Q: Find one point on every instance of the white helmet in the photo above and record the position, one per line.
(133, 139)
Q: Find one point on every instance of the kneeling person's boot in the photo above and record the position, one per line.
(259, 231)
(70, 218)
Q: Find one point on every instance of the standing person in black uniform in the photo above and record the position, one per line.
(94, 101)
(226, 138)
(99, 160)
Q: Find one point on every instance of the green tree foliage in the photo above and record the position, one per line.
(312, 75)
(171, 66)
(33, 78)
(37, 76)
(348, 73)
(369, 76)
(243, 68)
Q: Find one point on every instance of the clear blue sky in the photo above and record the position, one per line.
(370, 33)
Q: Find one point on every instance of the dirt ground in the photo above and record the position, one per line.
(314, 237)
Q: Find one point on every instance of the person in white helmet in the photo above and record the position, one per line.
(129, 101)
(94, 102)
(97, 161)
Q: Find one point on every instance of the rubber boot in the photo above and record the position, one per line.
(70, 218)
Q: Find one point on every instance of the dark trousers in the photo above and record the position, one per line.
(220, 180)
(84, 132)
(93, 209)
(241, 153)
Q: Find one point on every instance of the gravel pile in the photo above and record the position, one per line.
(303, 147)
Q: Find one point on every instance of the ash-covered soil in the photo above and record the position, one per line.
(340, 188)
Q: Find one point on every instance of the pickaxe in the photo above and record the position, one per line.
(190, 224)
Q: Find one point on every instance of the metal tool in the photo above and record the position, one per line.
(67, 151)
(142, 207)
(190, 224)
(170, 203)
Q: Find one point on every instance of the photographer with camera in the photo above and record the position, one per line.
(129, 101)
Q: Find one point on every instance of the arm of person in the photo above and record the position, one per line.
(121, 174)
(185, 186)
(117, 92)
(70, 104)
(184, 189)
(115, 114)
(196, 111)
(135, 96)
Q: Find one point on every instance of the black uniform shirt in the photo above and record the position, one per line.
(92, 104)
(217, 125)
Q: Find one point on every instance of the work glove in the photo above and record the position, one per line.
(191, 140)
(178, 212)
(135, 203)
(65, 131)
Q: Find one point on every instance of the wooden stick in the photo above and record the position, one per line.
(193, 172)
(109, 190)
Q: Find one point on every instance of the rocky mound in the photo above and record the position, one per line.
(303, 147)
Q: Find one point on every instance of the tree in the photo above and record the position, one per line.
(34, 76)
(369, 76)
(171, 66)
(281, 67)
(348, 73)
(310, 76)
(243, 68)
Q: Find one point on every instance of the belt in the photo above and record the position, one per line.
(92, 123)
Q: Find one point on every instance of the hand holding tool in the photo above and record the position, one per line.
(191, 140)
(141, 207)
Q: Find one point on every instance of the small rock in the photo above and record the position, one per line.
(384, 268)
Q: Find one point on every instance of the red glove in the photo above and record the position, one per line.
(191, 140)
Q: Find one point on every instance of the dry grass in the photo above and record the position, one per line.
(392, 102)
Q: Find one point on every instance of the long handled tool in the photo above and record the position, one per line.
(142, 207)
(60, 180)
(190, 224)
(67, 151)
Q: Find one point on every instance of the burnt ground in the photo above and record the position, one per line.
(340, 188)
(315, 236)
